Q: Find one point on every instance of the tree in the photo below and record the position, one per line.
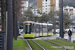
(66, 19)
(47, 17)
(50, 15)
(3, 14)
(28, 15)
(69, 3)
(44, 18)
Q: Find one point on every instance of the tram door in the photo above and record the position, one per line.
(37, 30)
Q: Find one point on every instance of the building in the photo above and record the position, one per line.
(47, 5)
(69, 10)
(57, 5)
(24, 5)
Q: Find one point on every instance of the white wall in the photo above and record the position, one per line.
(57, 5)
(46, 6)
(24, 6)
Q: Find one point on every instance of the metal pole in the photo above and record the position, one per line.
(9, 25)
(16, 22)
(47, 29)
(61, 18)
(39, 30)
(42, 29)
(53, 19)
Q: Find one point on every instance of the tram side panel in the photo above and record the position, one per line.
(37, 30)
(50, 30)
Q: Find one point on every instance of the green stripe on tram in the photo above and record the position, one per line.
(32, 35)
(29, 35)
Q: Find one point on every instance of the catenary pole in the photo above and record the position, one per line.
(15, 22)
(53, 17)
(61, 18)
(9, 25)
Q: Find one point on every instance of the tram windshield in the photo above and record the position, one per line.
(28, 27)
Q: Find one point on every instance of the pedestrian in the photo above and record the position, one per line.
(69, 34)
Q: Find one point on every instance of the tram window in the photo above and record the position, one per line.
(27, 28)
(31, 28)
(21, 27)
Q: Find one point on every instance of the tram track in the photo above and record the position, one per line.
(29, 45)
(33, 45)
(39, 45)
(56, 45)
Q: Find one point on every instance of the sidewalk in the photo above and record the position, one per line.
(66, 36)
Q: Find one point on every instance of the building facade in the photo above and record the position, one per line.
(24, 5)
(69, 10)
(47, 5)
(57, 5)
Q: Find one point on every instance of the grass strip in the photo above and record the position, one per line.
(34, 45)
(20, 37)
(19, 45)
(62, 45)
(69, 43)
(46, 45)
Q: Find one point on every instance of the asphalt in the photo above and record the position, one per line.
(54, 37)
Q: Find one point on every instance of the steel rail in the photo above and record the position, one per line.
(29, 45)
(39, 45)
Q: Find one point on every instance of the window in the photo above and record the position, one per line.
(66, 9)
(46, 6)
(43, 0)
(46, 11)
(71, 9)
(46, 0)
(46, 3)
(42, 6)
(42, 3)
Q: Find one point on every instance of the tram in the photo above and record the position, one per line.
(34, 29)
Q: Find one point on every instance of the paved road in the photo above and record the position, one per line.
(54, 37)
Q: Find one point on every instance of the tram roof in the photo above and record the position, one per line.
(43, 24)
(28, 22)
(36, 23)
